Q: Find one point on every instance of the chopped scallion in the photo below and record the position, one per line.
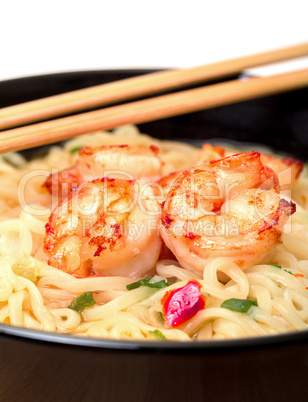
(76, 149)
(81, 302)
(240, 305)
(146, 282)
(158, 335)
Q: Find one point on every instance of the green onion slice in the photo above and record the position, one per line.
(158, 335)
(76, 149)
(146, 282)
(81, 302)
(240, 305)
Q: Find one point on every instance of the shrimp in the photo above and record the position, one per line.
(164, 184)
(225, 208)
(61, 183)
(287, 169)
(118, 161)
(142, 162)
(207, 154)
(105, 227)
(210, 153)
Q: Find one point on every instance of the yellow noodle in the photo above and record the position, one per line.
(170, 268)
(122, 302)
(15, 307)
(123, 320)
(66, 319)
(262, 295)
(6, 289)
(4, 314)
(15, 238)
(286, 311)
(214, 287)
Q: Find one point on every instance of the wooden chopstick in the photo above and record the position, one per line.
(150, 109)
(138, 86)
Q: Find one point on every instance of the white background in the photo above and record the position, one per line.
(51, 36)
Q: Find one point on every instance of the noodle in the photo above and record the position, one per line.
(38, 296)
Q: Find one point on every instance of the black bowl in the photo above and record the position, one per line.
(46, 367)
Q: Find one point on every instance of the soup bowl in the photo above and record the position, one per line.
(46, 366)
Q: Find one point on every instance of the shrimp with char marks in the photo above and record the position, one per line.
(208, 153)
(118, 161)
(103, 227)
(225, 208)
(287, 169)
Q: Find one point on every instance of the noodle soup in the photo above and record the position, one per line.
(163, 295)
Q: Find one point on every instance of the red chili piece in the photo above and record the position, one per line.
(182, 304)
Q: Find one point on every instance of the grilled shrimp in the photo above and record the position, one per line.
(208, 153)
(164, 185)
(119, 161)
(225, 208)
(287, 169)
(61, 183)
(105, 227)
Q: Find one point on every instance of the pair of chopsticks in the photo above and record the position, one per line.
(146, 110)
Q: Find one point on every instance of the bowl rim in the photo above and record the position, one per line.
(213, 346)
(21, 334)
